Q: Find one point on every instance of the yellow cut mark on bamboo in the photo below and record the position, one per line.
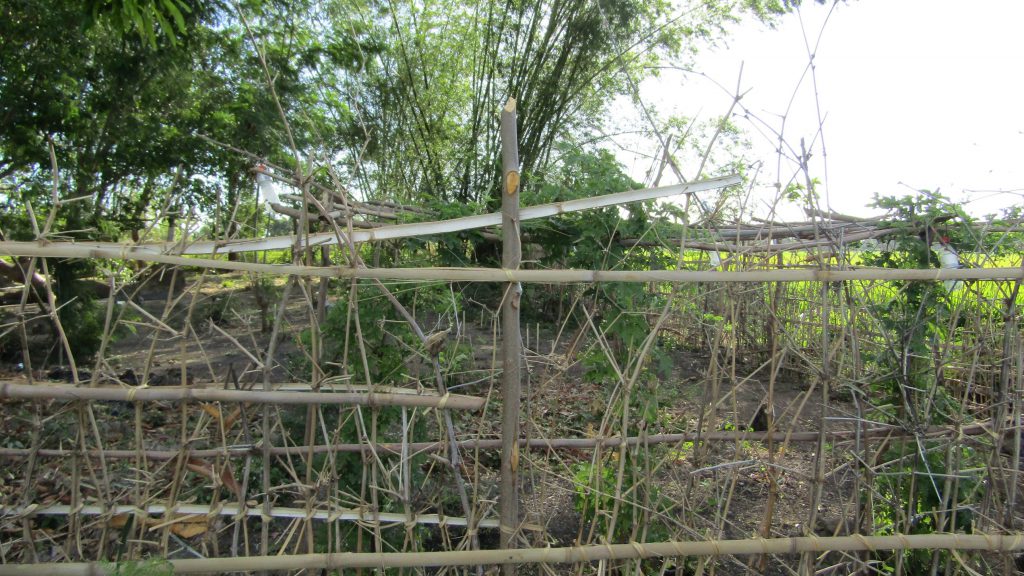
(512, 182)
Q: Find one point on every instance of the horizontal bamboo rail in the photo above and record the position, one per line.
(179, 394)
(441, 274)
(763, 248)
(333, 384)
(576, 554)
(241, 450)
(190, 512)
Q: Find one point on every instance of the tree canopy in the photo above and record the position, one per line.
(147, 104)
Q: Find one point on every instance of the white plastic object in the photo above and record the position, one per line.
(948, 259)
(268, 188)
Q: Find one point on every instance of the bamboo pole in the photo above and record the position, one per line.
(425, 228)
(395, 448)
(512, 346)
(470, 274)
(180, 394)
(769, 248)
(577, 554)
(191, 512)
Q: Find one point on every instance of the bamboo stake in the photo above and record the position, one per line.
(512, 345)
(177, 394)
(577, 554)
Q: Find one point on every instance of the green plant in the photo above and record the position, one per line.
(146, 567)
(80, 314)
(918, 498)
(386, 355)
(594, 498)
(925, 488)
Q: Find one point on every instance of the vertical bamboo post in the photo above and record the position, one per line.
(511, 340)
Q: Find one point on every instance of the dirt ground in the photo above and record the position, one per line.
(707, 490)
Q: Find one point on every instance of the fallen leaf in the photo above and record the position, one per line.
(118, 521)
(212, 410)
(232, 418)
(201, 467)
(228, 478)
(189, 529)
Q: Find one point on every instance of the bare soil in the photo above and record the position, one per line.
(708, 490)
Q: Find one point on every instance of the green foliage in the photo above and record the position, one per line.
(916, 320)
(448, 68)
(591, 241)
(147, 567)
(388, 344)
(144, 17)
(446, 249)
(935, 504)
(124, 114)
(384, 337)
(81, 316)
(594, 499)
(125, 97)
(932, 496)
(916, 317)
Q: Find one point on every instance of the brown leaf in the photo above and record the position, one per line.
(228, 478)
(118, 521)
(200, 466)
(212, 410)
(232, 418)
(189, 529)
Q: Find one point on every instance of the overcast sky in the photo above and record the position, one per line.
(914, 94)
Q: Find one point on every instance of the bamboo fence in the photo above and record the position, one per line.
(805, 401)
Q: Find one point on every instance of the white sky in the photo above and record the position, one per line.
(927, 93)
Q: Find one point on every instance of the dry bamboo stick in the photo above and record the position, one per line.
(349, 208)
(300, 215)
(738, 233)
(766, 248)
(891, 432)
(329, 385)
(127, 252)
(397, 206)
(577, 554)
(179, 394)
(478, 221)
(426, 228)
(830, 215)
(193, 510)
